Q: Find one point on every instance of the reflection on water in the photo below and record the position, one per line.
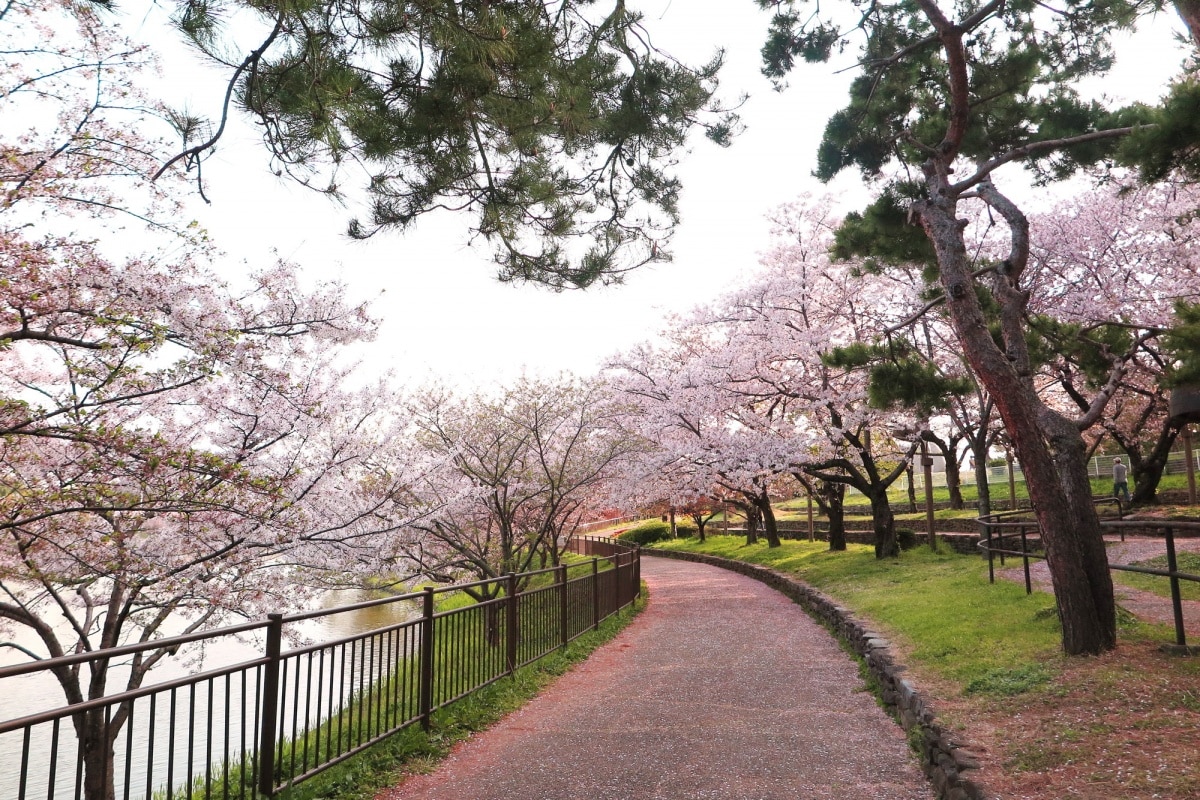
(361, 619)
(179, 720)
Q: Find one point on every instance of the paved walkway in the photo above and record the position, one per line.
(722, 689)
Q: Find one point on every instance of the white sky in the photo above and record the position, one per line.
(443, 311)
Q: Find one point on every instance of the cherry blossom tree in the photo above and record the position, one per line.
(788, 326)
(521, 468)
(707, 440)
(742, 394)
(1107, 268)
(171, 442)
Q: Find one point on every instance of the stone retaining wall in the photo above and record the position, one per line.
(946, 759)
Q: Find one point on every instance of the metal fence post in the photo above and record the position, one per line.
(1176, 600)
(563, 609)
(1025, 558)
(425, 690)
(991, 557)
(270, 707)
(595, 593)
(512, 622)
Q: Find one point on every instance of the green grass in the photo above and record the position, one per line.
(1156, 584)
(983, 638)
(797, 507)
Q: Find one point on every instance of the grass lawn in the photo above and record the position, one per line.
(1123, 725)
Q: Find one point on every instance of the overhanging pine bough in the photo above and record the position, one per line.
(553, 123)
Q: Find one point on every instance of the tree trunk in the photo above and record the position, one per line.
(910, 472)
(953, 477)
(835, 509)
(1049, 447)
(96, 752)
(752, 519)
(700, 523)
(770, 528)
(1147, 470)
(1189, 12)
(884, 523)
(492, 623)
(979, 454)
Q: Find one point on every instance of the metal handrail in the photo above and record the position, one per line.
(263, 724)
(1025, 528)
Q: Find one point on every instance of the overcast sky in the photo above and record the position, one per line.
(443, 311)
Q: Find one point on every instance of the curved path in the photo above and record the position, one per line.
(722, 689)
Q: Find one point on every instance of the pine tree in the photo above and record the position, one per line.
(952, 92)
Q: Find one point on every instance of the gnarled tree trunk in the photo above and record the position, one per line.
(1050, 447)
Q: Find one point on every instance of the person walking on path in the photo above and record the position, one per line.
(1120, 480)
(722, 689)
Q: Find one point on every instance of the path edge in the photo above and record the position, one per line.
(945, 757)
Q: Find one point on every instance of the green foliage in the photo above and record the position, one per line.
(647, 532)
(1022, 67)
(1167, 140)
(1090, 348)
(1182, 343)
(899, 376)
(787, 39)
(907, 538)
(885, 231)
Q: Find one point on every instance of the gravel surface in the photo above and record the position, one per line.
(721, 689)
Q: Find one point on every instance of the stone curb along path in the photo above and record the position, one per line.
(945, 757)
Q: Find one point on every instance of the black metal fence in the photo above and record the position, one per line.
(1016, 534)
(258, 726)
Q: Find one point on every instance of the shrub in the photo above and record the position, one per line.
(647, 533)
(685, 530)
(907, 538)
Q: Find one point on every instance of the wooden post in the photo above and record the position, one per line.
(927, 471)
(812, 536)
(1012, 482)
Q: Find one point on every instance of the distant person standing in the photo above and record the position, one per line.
(1120, 479)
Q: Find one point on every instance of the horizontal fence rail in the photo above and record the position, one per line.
(254, 728)
(1016, 534)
